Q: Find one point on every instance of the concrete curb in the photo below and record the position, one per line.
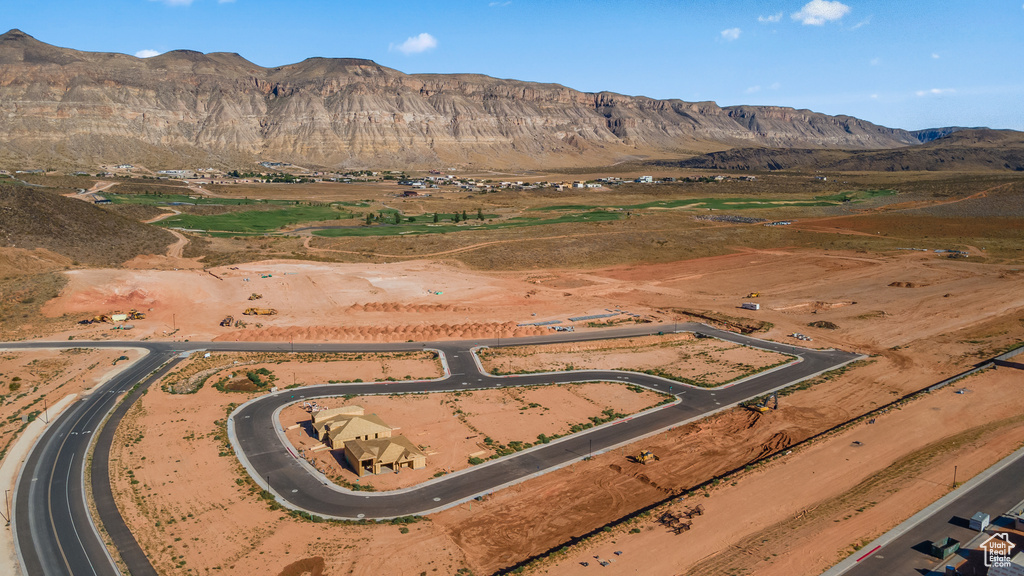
(922, 515)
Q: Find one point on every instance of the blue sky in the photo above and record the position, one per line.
(907, 64)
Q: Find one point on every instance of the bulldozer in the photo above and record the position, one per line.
(134, 314)
(255, 296)
(645, 456)
(762, 406)
(227, 321)
(753, 295)
(260, 312)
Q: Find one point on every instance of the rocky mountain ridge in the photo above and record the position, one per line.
(66, 107)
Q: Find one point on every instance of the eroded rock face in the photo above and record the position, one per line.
(61, 105)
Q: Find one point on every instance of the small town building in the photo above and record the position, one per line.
(374, 456)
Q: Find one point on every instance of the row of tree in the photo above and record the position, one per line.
(396, 217)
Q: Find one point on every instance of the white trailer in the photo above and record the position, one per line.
(750, 306)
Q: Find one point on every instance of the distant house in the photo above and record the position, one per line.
(374, 456)
(644, 180)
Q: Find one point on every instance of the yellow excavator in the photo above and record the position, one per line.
(644, 456)
(763, 407)
(753, 295)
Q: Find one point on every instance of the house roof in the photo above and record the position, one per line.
(324, 415)
(384, 450)
(355, 426)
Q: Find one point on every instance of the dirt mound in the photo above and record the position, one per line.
(401, 333)
(313, 566)
(399, 308)
(824, 324)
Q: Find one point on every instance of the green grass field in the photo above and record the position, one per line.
(256, 221)
(732, 203)
(413, 228)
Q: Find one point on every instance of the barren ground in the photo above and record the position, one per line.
(452, 427)
(31, 380)
(684, 357)
(849, 493)
(921, 315)
(229, 369)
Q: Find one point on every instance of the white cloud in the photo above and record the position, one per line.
(499, 4)
(731, 34)
(817, 12)
(147, 53)
(415, 44)
(874, 96)
(935, 56)
(753, 89)
(863, 22)
(175, 2)
(935, 91)
(876, 61)
(772, 18)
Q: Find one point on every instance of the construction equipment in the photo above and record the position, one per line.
(255, 296)
(227, 321)
(753, 295)
(763, 407)
(644, 456)
(96, 319)
(134, 314)
(259, 312)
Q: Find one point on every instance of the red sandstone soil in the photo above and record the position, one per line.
(958, 313)
(707, 361)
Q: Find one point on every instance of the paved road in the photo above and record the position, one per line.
(258, 440)
(907, 553)
(52, 527)
(54, 531)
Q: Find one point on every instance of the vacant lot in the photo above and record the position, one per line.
(231, 371)
(681, 357)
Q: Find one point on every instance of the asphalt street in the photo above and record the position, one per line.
(55, 534)
(908, 553)
(255, 432)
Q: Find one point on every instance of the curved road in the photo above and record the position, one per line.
(259, 443)
(54, 531)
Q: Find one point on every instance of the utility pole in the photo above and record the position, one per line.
(954, 476)
(45, 409)
(174, 322)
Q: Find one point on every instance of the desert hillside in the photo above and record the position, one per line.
(62, 107)
(967, 149)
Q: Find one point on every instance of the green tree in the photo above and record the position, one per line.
(369, 218)
(398, 218)
(435, 217)
(479, 213)
(463, 215)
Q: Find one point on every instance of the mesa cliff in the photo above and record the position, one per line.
(66, 107)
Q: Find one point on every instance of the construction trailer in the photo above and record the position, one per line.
(750, 306)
